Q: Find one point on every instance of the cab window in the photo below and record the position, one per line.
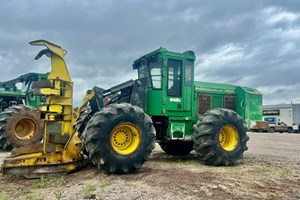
(153, 71)
(174, 77)
(156, 73)
(188, 72)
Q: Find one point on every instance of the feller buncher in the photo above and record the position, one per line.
(18, 91)
(118, 139)
(113, 126)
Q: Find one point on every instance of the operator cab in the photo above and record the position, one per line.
(170, 81)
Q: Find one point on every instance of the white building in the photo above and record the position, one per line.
(288, 113)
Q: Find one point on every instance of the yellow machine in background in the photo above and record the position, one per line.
(117, 136)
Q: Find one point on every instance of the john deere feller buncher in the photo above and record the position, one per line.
(112, 128)
(18, 91)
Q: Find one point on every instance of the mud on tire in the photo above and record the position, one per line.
(220, 137)
(20, 126)
(119, 138)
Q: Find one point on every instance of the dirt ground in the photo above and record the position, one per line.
(270, 170)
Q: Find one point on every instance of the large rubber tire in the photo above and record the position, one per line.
(220, 137)
(20, 126)
(176, 148)
(119, 138)
(81, 122)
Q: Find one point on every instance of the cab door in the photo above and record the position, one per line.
(174, 101)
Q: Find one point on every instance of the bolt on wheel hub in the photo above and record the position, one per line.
(228, 138)
(125, 138)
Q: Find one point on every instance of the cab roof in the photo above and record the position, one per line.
(190, 55)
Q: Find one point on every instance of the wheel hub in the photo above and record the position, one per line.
(24, 129)
(125, 138)
(228, 138)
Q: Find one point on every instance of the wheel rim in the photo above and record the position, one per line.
(228, 138)
(25, 129)
(125, 138)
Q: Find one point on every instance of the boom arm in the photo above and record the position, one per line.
(133, 92)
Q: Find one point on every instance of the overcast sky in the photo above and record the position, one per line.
(251, 43)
